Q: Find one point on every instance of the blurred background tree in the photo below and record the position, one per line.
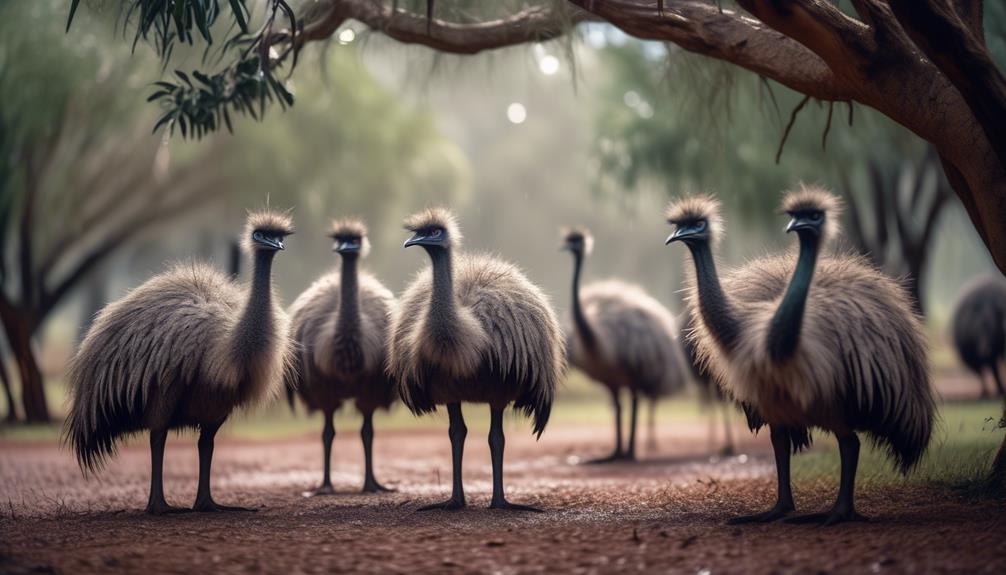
(83, 183)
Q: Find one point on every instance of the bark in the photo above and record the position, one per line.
(18, 328)
(941, 87)
(8, 392)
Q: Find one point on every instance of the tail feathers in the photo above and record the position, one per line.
(904, 444)
(538, 409)
(94, 436)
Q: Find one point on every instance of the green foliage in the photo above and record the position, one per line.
(245, 86)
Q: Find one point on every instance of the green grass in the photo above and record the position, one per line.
(964, 444)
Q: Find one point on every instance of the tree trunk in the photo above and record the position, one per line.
(11, 416)
(19, 335)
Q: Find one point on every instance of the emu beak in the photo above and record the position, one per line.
(415, 240)
(797, 224)
(678, 234)
(276, 243)
(343, 247)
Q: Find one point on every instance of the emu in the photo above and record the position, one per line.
(339, 325)
(473, 328)
(710, 392)
(839, 349)
(622, 338)
(979, 329)
(183, 350)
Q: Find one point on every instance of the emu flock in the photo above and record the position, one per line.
(806, 339)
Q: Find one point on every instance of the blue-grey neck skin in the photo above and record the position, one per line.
(784, 331)
(349, 294)
(441, 316)
(717, 311)
(583, 329)
(257, 318)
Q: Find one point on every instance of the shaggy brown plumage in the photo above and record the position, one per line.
(340, 326)
(184, 349)
(472, 328)
(979, 328)
(852, 357)
(622, 338)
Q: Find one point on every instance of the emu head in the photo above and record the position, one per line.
(577, 240)
(349, 237)
(434, 229)
(696, 219)
(813, 211)
(265, 231)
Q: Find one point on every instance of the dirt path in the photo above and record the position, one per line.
(665, 515)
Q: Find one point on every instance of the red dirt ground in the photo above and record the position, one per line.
(665, 515)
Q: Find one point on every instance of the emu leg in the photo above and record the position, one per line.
(844, 508)
(497, 443)
(327, 436)
(997, 376)
(618, 454)
(630, 453)
(728, 447)
(782, 446)
(156, 505)
(457, 432)
(204, 501)
(985, 394)
(370, 485)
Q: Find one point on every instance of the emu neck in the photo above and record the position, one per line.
(583, 329)
(717, 311)
(349, 295)
(257, 318)
(443, 304)
(784, 331)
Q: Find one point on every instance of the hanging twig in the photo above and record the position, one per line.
(789, 126)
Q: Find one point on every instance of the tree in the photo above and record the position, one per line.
(924, 64)
(70, 156)
(894, 226)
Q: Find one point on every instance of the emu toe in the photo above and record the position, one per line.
(165, 509)
(504, 504)
(326, 489)
(776, 513)
(209, 506)
(451, 504)
(616, 457)
(372, 486)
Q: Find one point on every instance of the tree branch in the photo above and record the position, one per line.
(533, 24)
(727, 35)
(838, 39)
(50, 299)
(948, 42)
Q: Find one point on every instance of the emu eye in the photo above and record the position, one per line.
(700, 226)
(258, 236)
(436, 233)
(816, 216)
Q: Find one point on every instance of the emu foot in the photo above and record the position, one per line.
(728, 451)
(504, 504)
(324, 489)
(616, 457)
(372, 486)
(451, 504)
(162, 508)
(207, 505)
(831, 517)
(776, 513)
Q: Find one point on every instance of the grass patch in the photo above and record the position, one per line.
(958, 458)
